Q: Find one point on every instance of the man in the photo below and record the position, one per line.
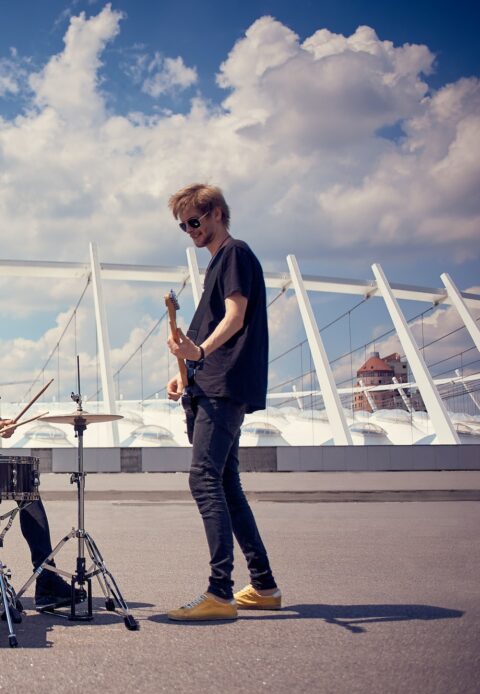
(227, 345)
(50, 590)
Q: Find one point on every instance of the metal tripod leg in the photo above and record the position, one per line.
(108, 584)
(113, 596)
(45, 566)
(8, 599)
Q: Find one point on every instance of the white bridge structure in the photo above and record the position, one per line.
(442, 426)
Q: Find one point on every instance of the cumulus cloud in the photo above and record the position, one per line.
(24, 359)
(69, 83)
(299, 136)
(329, 92)
(423, 190)
(158, 75)
(168, 74)
(298, 145)
(12, 74)
(8, 82)
(321, 107)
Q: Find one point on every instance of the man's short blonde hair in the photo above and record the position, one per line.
(201, 196)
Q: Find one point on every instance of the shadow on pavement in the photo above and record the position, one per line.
(33, 631)
(349, 617)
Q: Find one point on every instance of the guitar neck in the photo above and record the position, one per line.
(181, 363)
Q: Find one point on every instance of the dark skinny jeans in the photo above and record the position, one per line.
(216, 487)
(34, 526)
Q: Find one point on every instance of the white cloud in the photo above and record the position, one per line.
(69, 83)
(8, 83)
(308, 97)
(267, 44)
(158, 75)
(12, 74)
(168, 74)
(24, 358)
(424, 190)
(297, 138)
(296, 145)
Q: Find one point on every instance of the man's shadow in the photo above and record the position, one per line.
(350, 617)
(33, 632)
(34, 629)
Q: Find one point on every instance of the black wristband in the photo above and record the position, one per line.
(197, 364)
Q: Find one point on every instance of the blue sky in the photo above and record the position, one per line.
(343, 132)
(205, 32)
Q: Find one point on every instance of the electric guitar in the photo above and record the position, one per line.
(187, 375)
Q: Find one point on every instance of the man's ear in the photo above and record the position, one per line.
(217, 214)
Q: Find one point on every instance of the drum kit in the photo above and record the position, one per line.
(19, 480)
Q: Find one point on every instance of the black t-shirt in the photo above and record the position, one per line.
(238, 369)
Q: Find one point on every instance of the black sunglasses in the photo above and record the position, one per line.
(193, 222)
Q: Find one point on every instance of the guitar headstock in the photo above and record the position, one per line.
(171, 299)
(171, 302)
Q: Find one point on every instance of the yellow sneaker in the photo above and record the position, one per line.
(249, 599)
(204, 608)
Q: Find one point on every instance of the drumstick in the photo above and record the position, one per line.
(32, 401)
(19, 424)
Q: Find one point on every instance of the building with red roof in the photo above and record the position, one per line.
(379, 371)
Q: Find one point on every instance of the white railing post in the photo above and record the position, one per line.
(441, 422)
(195, 279)
(455, 297)
(331, 398)
(367, 395)
(468, 390)
(103, 343)
(406, 401)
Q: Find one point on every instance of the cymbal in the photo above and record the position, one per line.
(73, 417)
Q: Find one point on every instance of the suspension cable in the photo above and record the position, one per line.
(147, 336)
(42, 370)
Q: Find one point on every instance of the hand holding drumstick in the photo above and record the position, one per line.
(8, 426)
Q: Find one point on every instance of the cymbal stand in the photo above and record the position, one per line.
(83, 575)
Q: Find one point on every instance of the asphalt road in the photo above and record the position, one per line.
(379, 597)
(307, 487)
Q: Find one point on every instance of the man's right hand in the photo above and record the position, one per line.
(175, 387)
